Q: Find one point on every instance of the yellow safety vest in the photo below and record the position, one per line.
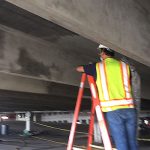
(113, 83)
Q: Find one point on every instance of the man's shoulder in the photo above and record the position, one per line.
(92, 64)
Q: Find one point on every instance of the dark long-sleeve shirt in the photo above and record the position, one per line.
(90, 69)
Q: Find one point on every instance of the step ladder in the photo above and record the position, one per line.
(94, 108)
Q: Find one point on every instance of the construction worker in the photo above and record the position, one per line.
(113, 80)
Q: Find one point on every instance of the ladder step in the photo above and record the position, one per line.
(100, 147)
(95, 109)
(94, 147)
(76, 148)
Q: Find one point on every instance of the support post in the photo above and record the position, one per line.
(28, 124)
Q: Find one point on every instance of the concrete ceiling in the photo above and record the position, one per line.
(19, 19)
(24, 101)
(119, 25)
(24, 21)
(34, 25)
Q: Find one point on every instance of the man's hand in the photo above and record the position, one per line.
(80, 69)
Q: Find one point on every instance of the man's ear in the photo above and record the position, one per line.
(102, 53)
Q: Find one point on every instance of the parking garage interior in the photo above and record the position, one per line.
(37, 71)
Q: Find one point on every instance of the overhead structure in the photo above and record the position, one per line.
(43, 41)
(120, 25)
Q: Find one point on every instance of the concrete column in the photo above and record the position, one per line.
(28, 123)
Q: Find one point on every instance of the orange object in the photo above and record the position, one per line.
(94, 108)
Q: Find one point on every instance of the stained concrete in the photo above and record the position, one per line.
(34, 57)
(39, 56)
(121, 25)
(31, 50)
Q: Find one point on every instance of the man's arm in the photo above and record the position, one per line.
(89, 69)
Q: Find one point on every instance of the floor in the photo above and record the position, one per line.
(47, 137)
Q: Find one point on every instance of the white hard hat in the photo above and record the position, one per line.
(102, 46)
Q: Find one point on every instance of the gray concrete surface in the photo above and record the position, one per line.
(50, 138)
(38, 56)
(34, 48)
(36, 145)
(118, 24)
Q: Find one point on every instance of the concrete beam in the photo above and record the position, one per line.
(121, 25)
(30, 56)
(29, 64)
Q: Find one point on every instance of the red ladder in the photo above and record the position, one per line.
(95, 108)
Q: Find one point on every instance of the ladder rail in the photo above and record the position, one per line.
(76, 112)
(95, 108)
(99, 114)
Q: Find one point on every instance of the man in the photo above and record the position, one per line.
(114, 88)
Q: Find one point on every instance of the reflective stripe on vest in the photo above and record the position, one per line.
(116, 102)
(113, 82)
(103, 81)
(125, 79)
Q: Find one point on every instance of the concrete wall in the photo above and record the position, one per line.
(56, 116)
(123, 25)
(30, 64)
